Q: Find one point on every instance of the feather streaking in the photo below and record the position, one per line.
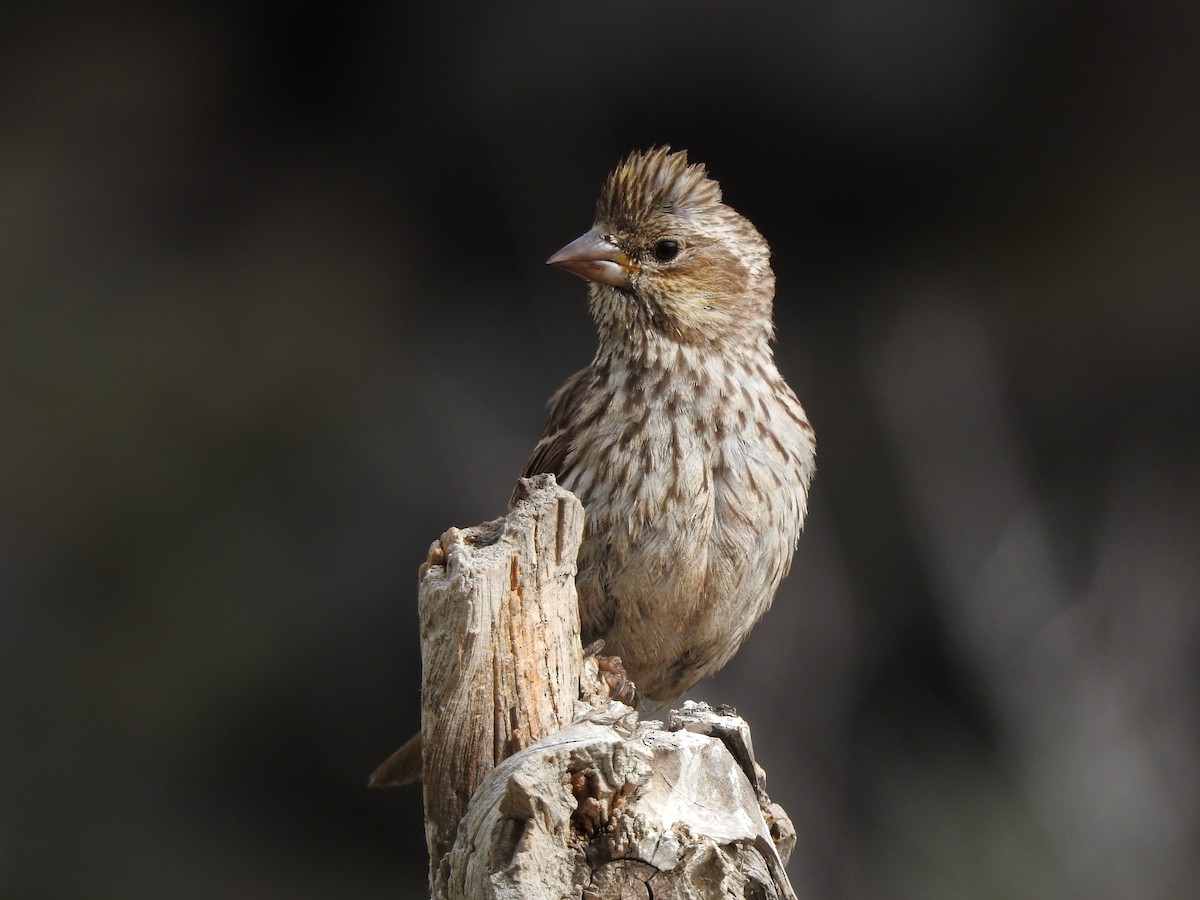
(691, 454)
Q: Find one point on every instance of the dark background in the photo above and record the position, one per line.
(274, 314)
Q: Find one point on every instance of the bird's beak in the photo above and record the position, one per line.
(595, 257)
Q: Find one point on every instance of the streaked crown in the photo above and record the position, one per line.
(655, 181)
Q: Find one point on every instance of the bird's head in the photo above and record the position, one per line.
(666, 256)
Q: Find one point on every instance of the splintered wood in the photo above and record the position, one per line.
(532, 792)
(500, 648)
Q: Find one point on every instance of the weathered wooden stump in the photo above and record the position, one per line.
(537, 783)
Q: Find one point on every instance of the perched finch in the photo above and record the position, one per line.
(689, 451)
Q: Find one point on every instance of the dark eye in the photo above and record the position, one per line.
(665, 251)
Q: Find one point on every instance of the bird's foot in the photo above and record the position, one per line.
(612, 674)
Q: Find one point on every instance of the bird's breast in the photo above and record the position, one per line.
(694, 501)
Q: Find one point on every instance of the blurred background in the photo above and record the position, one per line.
(274, 314)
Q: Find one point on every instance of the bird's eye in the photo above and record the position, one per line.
(665, 251)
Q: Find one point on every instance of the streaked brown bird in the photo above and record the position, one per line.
(691, 454)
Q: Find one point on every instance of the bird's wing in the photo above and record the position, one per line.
(550, 453)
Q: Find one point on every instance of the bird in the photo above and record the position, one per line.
(691, 454)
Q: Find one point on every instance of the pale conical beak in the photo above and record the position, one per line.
(595, 257)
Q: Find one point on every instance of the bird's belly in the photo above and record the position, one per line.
(682, 559)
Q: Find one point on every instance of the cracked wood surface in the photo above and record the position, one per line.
(538, 783)
(500, 648)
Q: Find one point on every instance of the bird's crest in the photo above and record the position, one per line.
(653, 181)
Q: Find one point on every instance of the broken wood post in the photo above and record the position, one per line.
(537, 783)
(500, 652)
